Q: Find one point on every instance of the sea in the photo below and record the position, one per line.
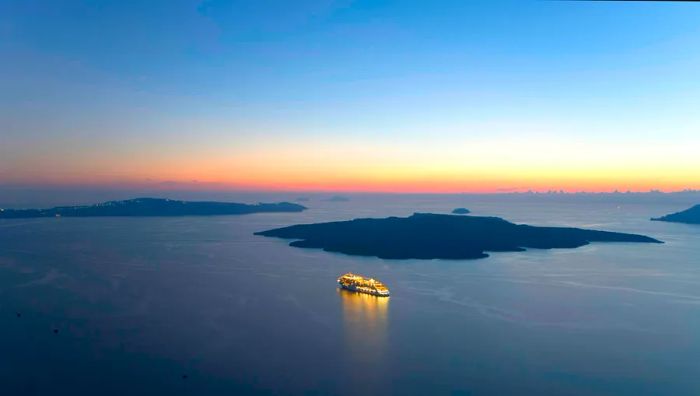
(202, 306)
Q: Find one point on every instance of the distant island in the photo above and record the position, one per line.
(152, 207)
(439, 236)
(337, 198)
(461, 211)
(688, 216)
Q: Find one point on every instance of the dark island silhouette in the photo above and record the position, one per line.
(439, 236)
(152, 207)
(688, 216)
(461, 211)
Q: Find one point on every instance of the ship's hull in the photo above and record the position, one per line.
(363, 290)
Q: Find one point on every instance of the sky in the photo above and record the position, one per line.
(386, 96)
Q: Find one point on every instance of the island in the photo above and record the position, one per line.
(461, 211)
(152, 207)
(688, 216)
(337, 198)
(439, 236)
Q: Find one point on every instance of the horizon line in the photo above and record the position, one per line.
(222, 188)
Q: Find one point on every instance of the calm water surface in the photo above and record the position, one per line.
(140, 302)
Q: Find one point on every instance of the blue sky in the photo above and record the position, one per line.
(122, 90)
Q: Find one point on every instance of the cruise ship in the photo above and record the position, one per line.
(360, 284)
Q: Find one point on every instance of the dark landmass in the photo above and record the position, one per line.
(438, 236)
(152, 207)
(337, 198)
(461, 211)
(688, 216)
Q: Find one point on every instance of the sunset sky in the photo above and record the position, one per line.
(395, 96)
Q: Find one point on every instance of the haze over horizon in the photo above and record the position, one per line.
(350, 96)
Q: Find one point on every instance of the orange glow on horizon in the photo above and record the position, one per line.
(487, 166)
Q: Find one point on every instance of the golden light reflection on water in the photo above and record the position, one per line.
(365, 324)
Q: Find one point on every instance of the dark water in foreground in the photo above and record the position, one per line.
(138, 302)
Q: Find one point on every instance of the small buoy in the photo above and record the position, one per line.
(55, 331)
(19, 315)
(184, 376)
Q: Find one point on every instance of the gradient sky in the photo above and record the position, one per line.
(453, 96)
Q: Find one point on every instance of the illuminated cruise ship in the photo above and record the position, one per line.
(361, 284)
